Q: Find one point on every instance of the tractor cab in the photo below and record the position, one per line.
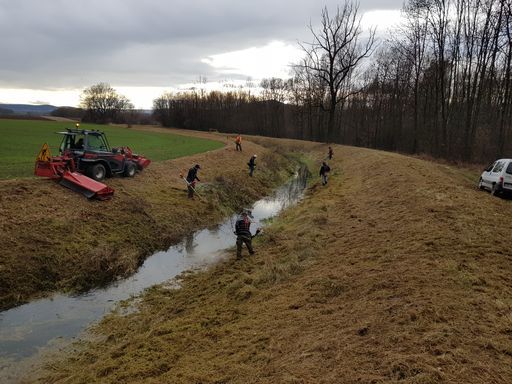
(78, 140)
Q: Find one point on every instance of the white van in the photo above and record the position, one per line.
(497, 177)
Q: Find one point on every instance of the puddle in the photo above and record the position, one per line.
(30, 329)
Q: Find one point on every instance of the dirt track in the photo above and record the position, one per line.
(398, 271)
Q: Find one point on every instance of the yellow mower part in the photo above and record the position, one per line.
(44, 153)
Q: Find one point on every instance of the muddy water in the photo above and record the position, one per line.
(31, 329)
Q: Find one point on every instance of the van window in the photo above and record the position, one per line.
(509, 168)
(498, 167)
(489, 167)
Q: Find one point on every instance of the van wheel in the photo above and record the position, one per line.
(494, 190)
(129, 170)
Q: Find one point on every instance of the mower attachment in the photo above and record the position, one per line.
(62, 168)
(86, 186)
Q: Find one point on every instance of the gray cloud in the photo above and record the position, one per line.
(76, 43)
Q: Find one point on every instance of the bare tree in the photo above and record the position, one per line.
(442, 85)
(412, 46)
(505, 99)
(103, 104)
(334, 54)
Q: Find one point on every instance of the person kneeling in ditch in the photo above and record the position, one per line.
(243, 233)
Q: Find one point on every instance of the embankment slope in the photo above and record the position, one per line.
(55, 239)
(398, 271)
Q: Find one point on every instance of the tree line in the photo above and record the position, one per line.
(441, 85)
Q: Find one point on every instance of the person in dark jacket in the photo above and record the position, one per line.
(243, 234)
(331, 152)
(79, 144)
(324, 170)
(252, 164)
(191, 180)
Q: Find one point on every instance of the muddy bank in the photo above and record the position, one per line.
(391, 273)
(55, 240)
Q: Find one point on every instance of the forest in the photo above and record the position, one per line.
(439, 84)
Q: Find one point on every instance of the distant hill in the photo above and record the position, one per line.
(29, 108)
(6, 111)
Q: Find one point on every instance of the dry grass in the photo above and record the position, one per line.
(398, 271)
(54, 239)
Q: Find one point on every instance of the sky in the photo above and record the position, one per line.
(51, 50)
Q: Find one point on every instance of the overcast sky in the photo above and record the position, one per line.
(51, 50)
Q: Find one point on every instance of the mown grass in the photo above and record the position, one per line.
(392, 273)
(21, 140)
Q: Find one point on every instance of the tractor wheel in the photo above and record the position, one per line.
(97, 172)
(129, 169)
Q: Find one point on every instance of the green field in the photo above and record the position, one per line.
(21, 140)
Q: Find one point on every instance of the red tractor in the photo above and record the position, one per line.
(86, 158)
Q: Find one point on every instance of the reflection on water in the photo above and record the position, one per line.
(27, 329)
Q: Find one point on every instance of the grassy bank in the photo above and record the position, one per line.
(22, 140)
(394, 272)
(56, 240)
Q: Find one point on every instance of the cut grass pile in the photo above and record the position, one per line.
(21, 141)
(398, 271)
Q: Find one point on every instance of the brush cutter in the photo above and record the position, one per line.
(190, 185)
(258, 231)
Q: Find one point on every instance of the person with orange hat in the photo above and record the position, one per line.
(238, 142)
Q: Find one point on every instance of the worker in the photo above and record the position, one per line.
(324, 170)
(238, 142)
(79, 144)
(243, 233)
(329, 155)
(191, 180)
(252, 164)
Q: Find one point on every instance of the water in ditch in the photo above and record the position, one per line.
(28, 330)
